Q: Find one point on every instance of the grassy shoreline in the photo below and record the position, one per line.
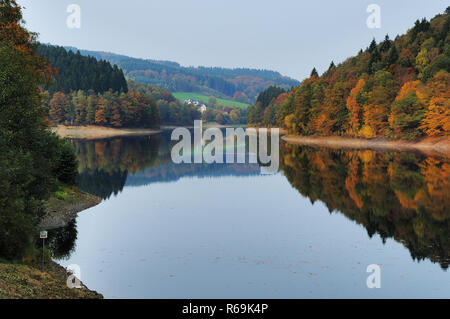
(26, 280)
(100, 132)
(19, 281)
(65, 205)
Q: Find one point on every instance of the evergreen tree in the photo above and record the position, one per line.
(271, 93)
(386, 44)
(372, 47)
(77, 72)
(332, 66)
(392, 56)
(90, 110)
(31, 157)
(373, 65)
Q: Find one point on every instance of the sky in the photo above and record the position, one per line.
(288, 36)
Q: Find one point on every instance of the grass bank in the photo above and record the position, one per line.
(204, 98)
(19, 281)
(26, 280)
(64, 206)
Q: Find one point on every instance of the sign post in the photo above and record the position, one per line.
(43, 235)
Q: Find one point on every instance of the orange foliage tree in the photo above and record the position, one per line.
(355, 107)
(437, 116)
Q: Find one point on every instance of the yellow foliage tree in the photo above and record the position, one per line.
(437, 117)
(355, 108)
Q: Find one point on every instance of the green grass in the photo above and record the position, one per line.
(28, 282)
(204, 98)
(63, 194)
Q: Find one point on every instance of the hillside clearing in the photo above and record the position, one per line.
(204, 98)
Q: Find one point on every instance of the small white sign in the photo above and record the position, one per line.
(43, 234)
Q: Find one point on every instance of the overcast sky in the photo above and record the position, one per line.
(289, 36)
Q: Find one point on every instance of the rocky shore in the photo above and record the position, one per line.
(64, 206)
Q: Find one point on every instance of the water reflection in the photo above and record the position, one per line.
(404, 196)
(61, 241)
(106, 166)
(400, 195)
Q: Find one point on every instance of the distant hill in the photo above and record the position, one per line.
(241, 84)
(91, 91)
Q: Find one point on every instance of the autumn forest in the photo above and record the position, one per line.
(398, 89)
(90, 170)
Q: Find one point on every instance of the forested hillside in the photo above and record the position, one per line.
(77, 72)
(111, 108)
(397, 88)
(34, 163)
(171, 110)
(142, 107)
(241, 84)
(86, 91)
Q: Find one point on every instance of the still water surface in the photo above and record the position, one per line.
(226, 231)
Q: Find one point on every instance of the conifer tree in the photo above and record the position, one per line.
(332, 66)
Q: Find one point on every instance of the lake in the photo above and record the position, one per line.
(166, 230)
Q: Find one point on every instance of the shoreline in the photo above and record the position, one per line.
(438, 146)
(99, 132)
(204, 126)
(27, 281)
(93, 132)
(61, 210)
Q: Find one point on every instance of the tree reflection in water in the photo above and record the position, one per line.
(61, 241)
(400, 195)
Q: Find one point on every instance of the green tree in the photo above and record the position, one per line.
(29, 153)
(91, 109)
(212, 102)
(407, 115)
(392, 56)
